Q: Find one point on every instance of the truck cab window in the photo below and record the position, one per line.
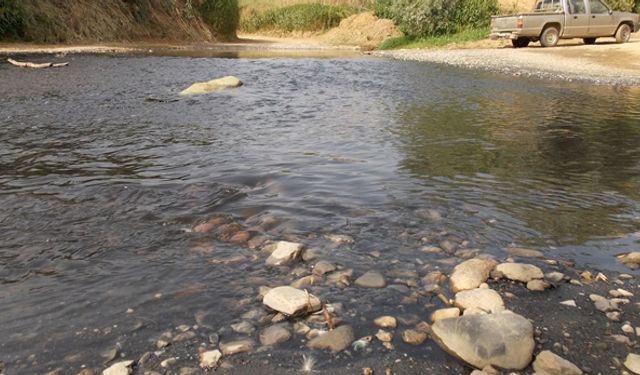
(577, 7)
(598, 7)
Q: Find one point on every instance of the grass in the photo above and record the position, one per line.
(467, 35)
(297, 17)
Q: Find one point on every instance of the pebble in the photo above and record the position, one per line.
(285, 253)
(274, 335)
(184, 336)
(371, 279)
(549, 363)
(451, 312)
(537, 285)
(569, 302)
(555, 277)
(209, 360)
(120, 368)
(339, 238)
(323, 267)
(413, 337)
(291, 301)
(243, 327)
(335, 340)
(384, 336)
(471, 273)
(613, 316)
(484, 299)
(386, 322)
(235, 347)
(161, 344)
(621, 339)
(627, 328)
(632, 363)
(169, 362)
(520, 271)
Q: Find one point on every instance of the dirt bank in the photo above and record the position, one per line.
(604, 63)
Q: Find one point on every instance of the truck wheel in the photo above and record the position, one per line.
(520, 42)
(550, 37)
(623, 34)
(589, 40)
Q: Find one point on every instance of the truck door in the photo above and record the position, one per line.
(600, 20)
(576, 19)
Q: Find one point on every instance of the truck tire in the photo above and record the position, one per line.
(589, 40)
(623, 34)
(550, 36)
(520, 42)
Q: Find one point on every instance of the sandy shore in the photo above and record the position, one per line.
(604, 63)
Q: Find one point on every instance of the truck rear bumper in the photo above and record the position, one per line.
(503, 35)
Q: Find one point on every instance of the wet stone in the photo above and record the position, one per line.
(632, 363)
(291, 301)
(520, 271)
(548, 363)
(120, 368)
(386, 322)
(184, 336)
(537, 285)
(413, 337)
(384, 336)
(274, 335)
(371, 279)
(323, 267)
(235, 347)
(336, 340)
(209, 360)
(471, 273)
(243, 327)
(484, 299)
(285, 253)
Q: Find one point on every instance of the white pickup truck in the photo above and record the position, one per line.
(552, 20)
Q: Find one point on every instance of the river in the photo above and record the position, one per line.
(99, 188)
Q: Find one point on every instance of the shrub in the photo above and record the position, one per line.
(382, 8)
(298, 17)
(475, 13)
(221, 15)
(11, 19)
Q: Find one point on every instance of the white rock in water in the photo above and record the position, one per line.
(633, 363)
(484, 299)
(471, 273)
(213, 85)
(284, 254)
(235, 347)
(520, 271)
(291, 301)
(503, 340)
(548, 363)
(209, 360)
(120, 368)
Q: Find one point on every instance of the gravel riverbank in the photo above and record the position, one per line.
(604, 64)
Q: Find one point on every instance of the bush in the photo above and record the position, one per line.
(299, 17)
(222, 16)
(11, 19)
(417, 18)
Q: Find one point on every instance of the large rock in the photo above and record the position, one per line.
(520, 271)
(471, 273)
(503, 340)
(291, 301)
(284, 254)
(548, 363)
(211, 86)
(120, 368)
(484, 299)
(336, 340)
(371, 279)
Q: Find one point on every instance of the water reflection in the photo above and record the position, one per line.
(563, 161)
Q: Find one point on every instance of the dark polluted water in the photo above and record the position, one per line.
(99, 188)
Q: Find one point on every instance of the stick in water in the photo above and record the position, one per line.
(36, 66)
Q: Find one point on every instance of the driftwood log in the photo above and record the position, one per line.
(35, 65)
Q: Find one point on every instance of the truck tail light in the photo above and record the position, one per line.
(520, 23)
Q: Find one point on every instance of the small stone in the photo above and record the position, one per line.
(209, 360)
(217, 84)
(161, 344)
(285, 253)
(548, 363)
(367, 371)
(301, 328)
(168, 362)
(632, 363)
(451, 312)
(484, 299)
(120, 368)
(520, 271)
(631, 260)
(525, 253)
(613, 316)
(235, 347)
(241, 237)
(627, 328)
(431, 250)
(184, 336)
(371, 279)
(471, 273)
(569, 302)
(210, 225)
(385, 322)
(188, 371)
(624, 293)
(274, 335)
(621, 339)
(336, 340)
(291, 301)
(555, 277)
(339, 238)
(413, 337)
(384, 336)
(537, 285)
(243, 327)
(323, 267)
(605, 305)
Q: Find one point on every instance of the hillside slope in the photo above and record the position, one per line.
(51, 21)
